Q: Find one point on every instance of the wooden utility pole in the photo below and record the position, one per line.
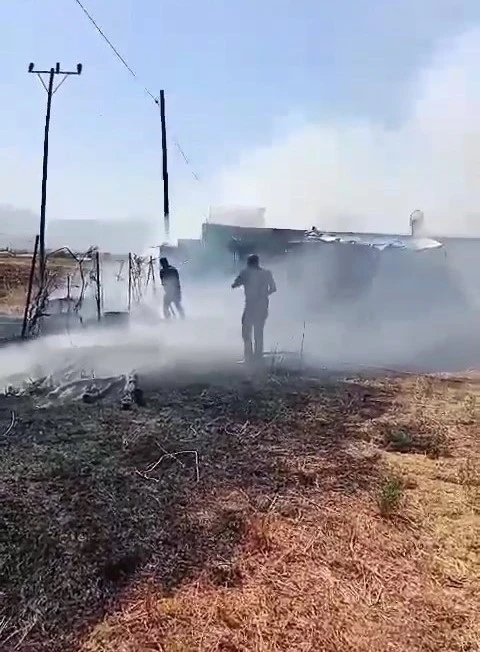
(166, 199)
(51, 90)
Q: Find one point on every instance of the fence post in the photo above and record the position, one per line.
(129, 282)
(99, 296)
(30, 285)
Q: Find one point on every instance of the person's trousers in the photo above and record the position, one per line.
(176, 301)
(253, 324)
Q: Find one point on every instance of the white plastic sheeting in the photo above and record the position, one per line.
(379, 242)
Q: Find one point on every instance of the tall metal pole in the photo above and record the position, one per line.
(166, 200)
(43, 205)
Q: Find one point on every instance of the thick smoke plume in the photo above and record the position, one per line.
(360, 175)
(344, 175)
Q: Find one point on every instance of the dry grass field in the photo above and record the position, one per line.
(14, 275)
(288, 514)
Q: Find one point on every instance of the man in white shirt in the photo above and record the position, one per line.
(258, 285)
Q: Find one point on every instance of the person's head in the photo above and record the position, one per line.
(164, 263)
(253, 261)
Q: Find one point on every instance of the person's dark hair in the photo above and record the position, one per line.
(164, 262)
(253, 261)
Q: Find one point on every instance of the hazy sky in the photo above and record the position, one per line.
(346, 113)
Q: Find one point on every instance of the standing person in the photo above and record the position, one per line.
(258, 285)
(173, 291)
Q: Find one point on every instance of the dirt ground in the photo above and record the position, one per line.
(14, 275)
(276, 514)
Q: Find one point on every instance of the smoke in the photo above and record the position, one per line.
(375, 327)
(237, 216)
(358, 174)
(338, 174)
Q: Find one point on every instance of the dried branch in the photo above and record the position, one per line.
(49, 283)
(146, 474)
(11, 426)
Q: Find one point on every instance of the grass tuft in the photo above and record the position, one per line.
(390, 496)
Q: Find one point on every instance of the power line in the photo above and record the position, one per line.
(185, 158)
(112, 47)
(132, 72)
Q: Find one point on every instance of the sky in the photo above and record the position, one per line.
(346, 114)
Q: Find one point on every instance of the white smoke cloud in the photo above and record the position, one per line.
(361, 175)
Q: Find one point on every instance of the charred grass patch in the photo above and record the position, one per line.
(96, 501)
(241, 516)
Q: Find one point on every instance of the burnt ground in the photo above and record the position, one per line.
(82, 514)
(101, 509)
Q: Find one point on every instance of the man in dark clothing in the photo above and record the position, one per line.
(173, 292)
(258, 285)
